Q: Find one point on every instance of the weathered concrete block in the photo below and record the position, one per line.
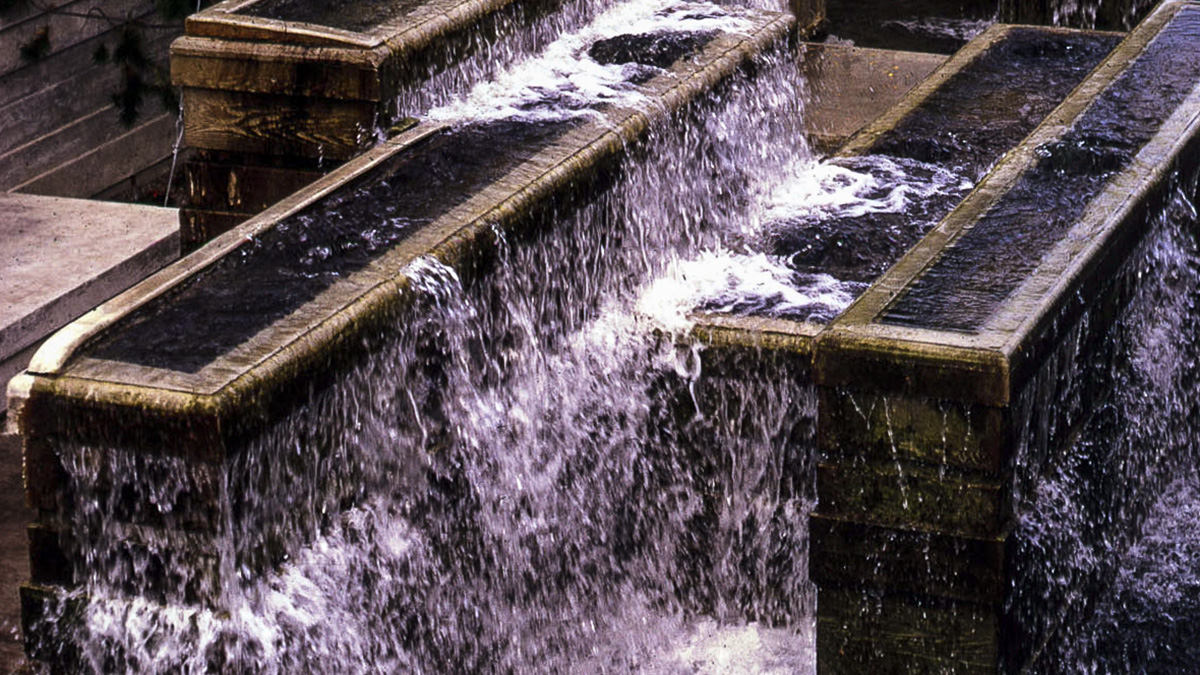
(860, 630)
(916, 496)
(992, 368)
(47, 562)
(878, 427)
(850, 552)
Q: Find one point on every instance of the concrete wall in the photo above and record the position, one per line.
(62, 132)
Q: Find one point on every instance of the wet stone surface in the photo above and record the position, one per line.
(354, 15)
(651, 49)
(909, 25)
(996, 101)
(979, 271)
(923, 167)
(283, 268)
(857, 247)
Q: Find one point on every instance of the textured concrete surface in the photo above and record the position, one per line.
(61, 257)
(849, 87)
(14, 561)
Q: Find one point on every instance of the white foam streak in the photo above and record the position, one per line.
(724, 282)
(565, 83)
(941, 27)
(854, 187)
(713, 649)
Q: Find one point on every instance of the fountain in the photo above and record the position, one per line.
(234, 517)
(445, 421)
(276, 93)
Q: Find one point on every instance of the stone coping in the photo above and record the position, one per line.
(223, 50)
(419, 25)
(987, 366)
(269, 362)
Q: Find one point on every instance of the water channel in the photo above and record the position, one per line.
(533, 473)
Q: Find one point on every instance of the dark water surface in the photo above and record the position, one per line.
(288, 265)
(974, 276)
(963, 128)
(354, 15)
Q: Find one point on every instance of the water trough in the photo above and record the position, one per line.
(277, 93)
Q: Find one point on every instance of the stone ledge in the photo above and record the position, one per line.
(65, 256)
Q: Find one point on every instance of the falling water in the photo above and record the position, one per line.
(527, 473)
(530, 473)
(1106, 544)
(480, 56)
(1111, 15)
(1116, 15)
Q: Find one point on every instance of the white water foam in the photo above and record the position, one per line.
(741, 283)
(564, 83)
(709, 648)
(852, 187)
(942, 27)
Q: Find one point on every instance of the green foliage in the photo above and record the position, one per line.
(142, 76)
(37, 47)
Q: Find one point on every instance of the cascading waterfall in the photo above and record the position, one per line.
(1093, 13)
(530, 474)
(439, 84)
(1119, 15)
(1098, 558)
(527, 473)
(442, 85)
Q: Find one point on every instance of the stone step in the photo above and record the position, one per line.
(268, 85)
(62, 257)
(55, 150)
(99, 167)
